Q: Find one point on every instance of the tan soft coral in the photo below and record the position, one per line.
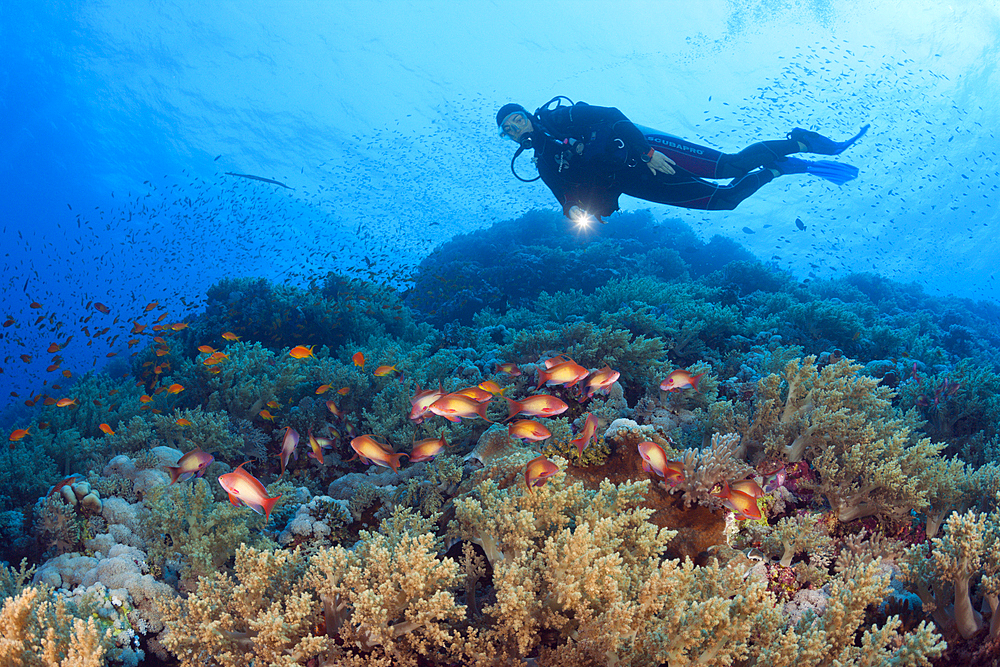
(389, 598)
(261, 615)
(969, 546)
(38, 628)
(867, 456)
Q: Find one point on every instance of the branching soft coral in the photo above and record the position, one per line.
(796, 534)
(969, 545)
(832, 638)
(390, 595)
(262, 614)
(868, 460)
(706, 468)
(188, 525)
(38, 628)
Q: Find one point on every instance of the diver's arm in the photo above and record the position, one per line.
(585, 115)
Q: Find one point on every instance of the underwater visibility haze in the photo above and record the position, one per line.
(294, 371)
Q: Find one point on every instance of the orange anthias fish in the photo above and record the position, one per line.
(382, 371)
(426, 450)
(680, 379)
(743, 505)
(492, 387)
(454, 407)
(344, 391)
(749, 487)
(567, 373)
(266, 415)
(421, 402)
(230, 336)
(528, 429)
(371, 451)
(63, 482)
(301, 352)
(322, 389)
(332, 407)
(18, 434)
(65, 402)
(100, 307)
(510, 368)
(183, 422)
(215, 358)
(53, 348)
(175, 388)
(244, 487)
(586, 433)
(359, 360)
(601, 380)
(192, 464)
(106, 429)
(538, 471)
(316, 450)
(654, 459)
(206, 349)
(540, 405)
(475, 393)
(288, 446)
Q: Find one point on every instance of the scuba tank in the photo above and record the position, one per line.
(597, 145)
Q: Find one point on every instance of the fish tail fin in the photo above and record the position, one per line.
(481, 411)
(175, 474)
(513, 407)
(394, 460)
(543, 377)
(695, 379)
(268, 504)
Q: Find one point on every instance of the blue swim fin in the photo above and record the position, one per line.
(834, 172)
(817, 143)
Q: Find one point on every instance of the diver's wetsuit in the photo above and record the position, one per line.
(589, 156)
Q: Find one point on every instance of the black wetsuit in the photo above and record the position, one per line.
(589, 156)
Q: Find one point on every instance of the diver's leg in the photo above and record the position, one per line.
(689, 192)
(697, 160)
(732, 165)
(707, 162)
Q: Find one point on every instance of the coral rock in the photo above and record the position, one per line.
(68, 495)
(494, 444)
(92, 502)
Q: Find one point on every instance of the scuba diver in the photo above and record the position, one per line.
(589, 156)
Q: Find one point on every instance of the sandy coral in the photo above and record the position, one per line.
(390, 595)
(795, 534)
(969, 546)
(705, 469)
(187, 527)
(261, 614)
(38, 628)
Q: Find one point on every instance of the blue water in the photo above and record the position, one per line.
(120, 119)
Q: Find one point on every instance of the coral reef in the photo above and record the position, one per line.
(866, 410)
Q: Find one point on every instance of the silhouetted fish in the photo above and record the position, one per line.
(259, 178)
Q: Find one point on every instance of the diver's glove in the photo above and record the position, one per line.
(817, 143)
(834, 172)
(581, 218)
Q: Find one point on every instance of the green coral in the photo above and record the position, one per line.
(559, 444)
(188, 525)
